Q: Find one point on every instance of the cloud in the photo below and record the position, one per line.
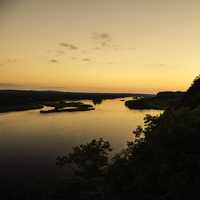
(102, 36)
(53, 61)
(86, 59)
(97, 48)
(69, 46)
(11, 60)
(104, 39)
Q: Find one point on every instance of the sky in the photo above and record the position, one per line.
(141, 46)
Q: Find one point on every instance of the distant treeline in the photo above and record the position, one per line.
(14, 100)
(161, 101)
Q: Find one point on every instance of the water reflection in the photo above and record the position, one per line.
(29, 139)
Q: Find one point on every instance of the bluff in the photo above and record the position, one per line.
(161, 101)
(165, 165)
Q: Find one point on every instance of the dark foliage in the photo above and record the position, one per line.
(162, 162)
(89, 159)
(89, 163)
(161, 101)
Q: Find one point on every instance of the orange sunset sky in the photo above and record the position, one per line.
(99, 45)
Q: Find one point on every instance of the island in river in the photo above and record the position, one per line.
(63, 106)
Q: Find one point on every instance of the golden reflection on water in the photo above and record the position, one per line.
(31, 134)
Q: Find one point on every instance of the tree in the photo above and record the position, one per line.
(89, 160)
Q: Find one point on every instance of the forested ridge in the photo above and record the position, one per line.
(165, 164)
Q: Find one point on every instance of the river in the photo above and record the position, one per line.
(30, 141)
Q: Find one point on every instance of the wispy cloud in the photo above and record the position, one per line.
(103, 39)
(102, 36)
(69, 46)
(11, 60)
(53, 61)
(86, 59)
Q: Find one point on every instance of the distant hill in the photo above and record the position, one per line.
(161, 101)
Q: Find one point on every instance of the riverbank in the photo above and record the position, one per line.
(161, 101)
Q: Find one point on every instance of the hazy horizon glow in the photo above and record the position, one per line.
(99, 46)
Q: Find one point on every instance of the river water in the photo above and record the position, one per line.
(30, 141)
